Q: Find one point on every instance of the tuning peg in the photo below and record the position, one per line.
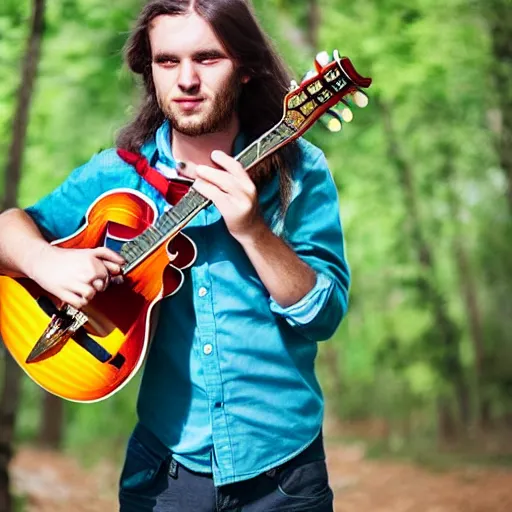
(321, 60)
(335, 123)
(293, 86)
(347, 115)
(356, 99)
(337, 118)
(360, 99)
(308, 75)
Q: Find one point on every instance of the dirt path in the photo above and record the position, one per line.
(55, 483)
(383, 486)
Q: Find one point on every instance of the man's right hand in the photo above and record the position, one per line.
(74, 275)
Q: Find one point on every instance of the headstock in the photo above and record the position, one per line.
(332, 82)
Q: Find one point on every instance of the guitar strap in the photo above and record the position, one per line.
(172, 190)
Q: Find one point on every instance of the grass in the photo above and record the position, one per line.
(20, 503)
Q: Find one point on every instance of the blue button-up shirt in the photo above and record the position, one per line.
(229, 383)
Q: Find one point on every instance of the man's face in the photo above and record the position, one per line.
(196, 81)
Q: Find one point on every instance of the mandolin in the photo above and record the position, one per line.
(88, 355)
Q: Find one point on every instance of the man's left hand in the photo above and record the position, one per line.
(233, 192)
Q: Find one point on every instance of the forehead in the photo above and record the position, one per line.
(182, 34)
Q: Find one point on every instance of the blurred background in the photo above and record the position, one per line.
(418, 378)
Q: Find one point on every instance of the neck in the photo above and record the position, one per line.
(198, 149)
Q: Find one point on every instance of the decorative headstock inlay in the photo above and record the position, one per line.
(294, 119)
(320, 91)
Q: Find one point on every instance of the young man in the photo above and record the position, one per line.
(230, 411)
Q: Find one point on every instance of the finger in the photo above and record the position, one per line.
(100, 271)
(100, 285)
(235, 169)
(107, 254)
(88, 276)
(221, 179)
(229, 164)
(210, 191)
(77, 301)
(84, 290)
(113, 268)
(187, 169)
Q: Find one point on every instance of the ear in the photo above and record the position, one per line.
(245, 79)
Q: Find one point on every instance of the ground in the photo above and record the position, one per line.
(52, 482)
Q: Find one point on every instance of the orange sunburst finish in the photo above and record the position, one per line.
(119, 318)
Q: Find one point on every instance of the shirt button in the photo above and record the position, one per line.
(202, 291)
(207, 349)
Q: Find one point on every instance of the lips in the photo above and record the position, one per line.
(189, 103)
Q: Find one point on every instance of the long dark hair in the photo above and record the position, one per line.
(261, 99)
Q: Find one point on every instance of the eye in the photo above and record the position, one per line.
(207, 61)
(166, 62)
(208, 58)
(169, 63)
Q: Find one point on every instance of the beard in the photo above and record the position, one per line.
(216, 119)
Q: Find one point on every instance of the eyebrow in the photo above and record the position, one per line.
(163, 56)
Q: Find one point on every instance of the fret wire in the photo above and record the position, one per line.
(156, 230)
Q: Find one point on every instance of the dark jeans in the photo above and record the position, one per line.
(153, 482)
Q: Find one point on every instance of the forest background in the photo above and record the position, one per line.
(422, 364)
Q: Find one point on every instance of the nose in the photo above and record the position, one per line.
(188, 79)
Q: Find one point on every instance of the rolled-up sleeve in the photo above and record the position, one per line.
(312, 228)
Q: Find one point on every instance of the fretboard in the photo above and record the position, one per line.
(193, 202)
(265, 145)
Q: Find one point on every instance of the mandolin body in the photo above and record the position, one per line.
(111, 347)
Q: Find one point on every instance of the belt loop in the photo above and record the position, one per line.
(173, 468)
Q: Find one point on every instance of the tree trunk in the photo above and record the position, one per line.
(468, 291)
(11, 383)
(450, 366)
(8, 408)
(329, 358)
(446, 425)
(499, 16)
(52, 421)
(314, 20)
(24, 98)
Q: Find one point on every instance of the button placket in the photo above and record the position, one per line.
(208, 352)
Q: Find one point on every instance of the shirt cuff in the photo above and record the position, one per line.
(306, 309)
